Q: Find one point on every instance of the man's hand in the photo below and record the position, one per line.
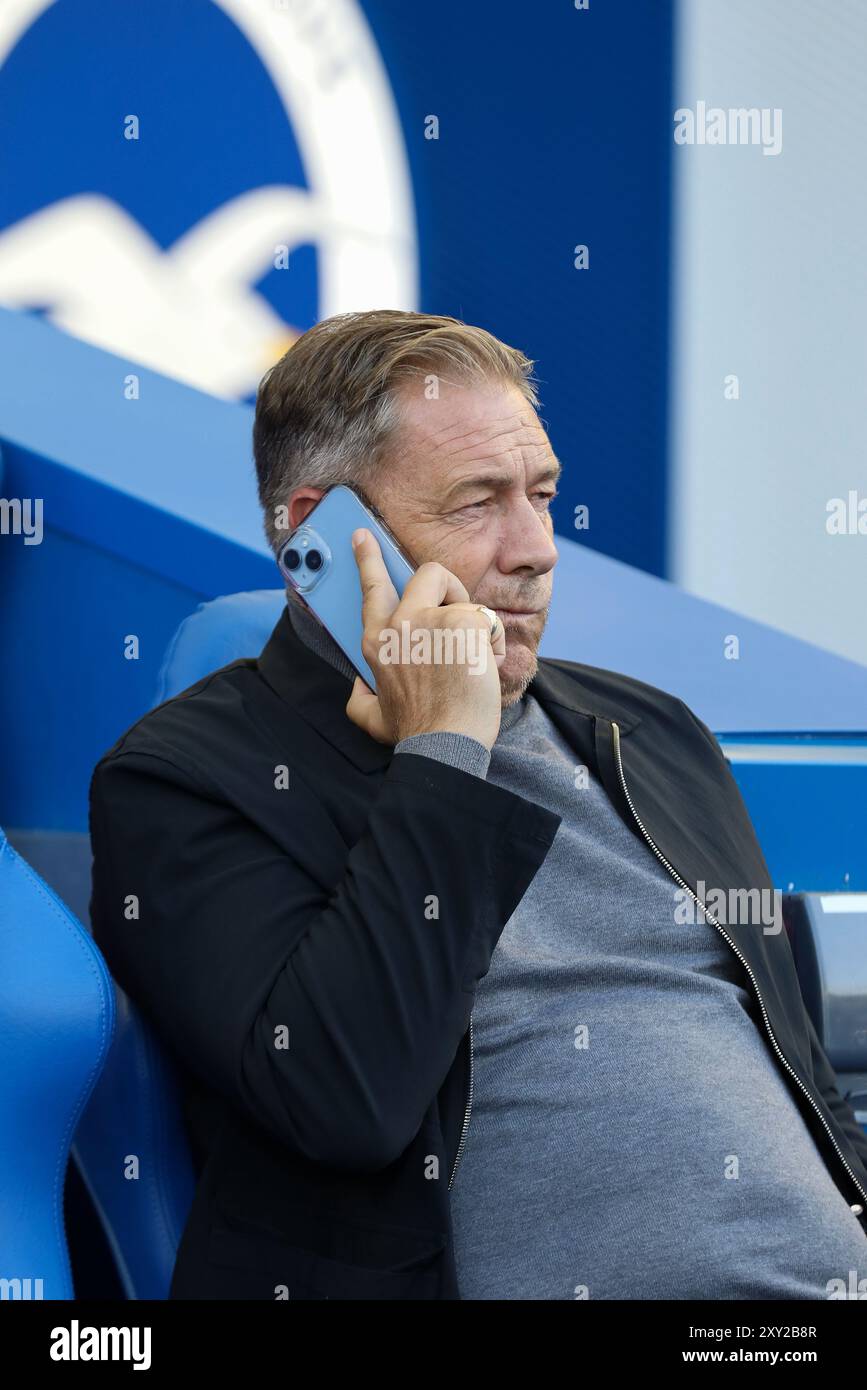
(422, 699)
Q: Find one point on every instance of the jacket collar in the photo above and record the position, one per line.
(319, 693)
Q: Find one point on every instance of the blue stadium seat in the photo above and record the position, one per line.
(133, 1155)
(136, 1107)
(219, 631)
(57, 1019)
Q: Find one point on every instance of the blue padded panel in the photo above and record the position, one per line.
(57, 1018)
(218, 632)
(136, 1110)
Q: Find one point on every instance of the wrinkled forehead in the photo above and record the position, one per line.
(491, 432)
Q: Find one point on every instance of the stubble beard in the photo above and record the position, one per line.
(522, 638)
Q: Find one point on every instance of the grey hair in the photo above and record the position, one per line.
(328, 411)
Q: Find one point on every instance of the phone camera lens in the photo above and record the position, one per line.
(291, 559)
(314, 560)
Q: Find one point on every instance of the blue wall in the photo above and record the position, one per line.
(148, 508)
(555, 130)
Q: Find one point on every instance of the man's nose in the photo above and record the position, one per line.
(526, 541)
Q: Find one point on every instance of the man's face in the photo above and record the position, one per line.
(470, 486)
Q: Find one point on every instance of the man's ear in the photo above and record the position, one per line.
(301, 504)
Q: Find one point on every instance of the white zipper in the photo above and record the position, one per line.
(738, 953)
(467, 1112)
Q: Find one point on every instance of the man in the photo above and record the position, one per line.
(443, 1029)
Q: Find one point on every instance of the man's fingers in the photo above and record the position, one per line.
(483, 623)
(498, 644)
(378, 594)
(364, 710)
(431, 586)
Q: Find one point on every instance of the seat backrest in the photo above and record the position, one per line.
(57, 1019)
(218, 632)
(132, 1152)
(134, 1123)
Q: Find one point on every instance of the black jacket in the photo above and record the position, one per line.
(286, 950)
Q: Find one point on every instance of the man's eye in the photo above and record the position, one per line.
(487, 501)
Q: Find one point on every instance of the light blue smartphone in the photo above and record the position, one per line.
(318, 561)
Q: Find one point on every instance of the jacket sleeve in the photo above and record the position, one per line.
(710, 738)
(826, 1082)
(328, 1012)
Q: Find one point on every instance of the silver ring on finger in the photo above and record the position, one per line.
(492, 618)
